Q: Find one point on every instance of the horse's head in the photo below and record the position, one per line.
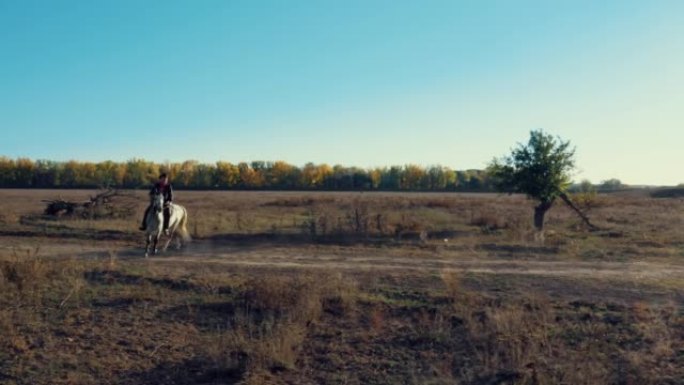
(157, 202)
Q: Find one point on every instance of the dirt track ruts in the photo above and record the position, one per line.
(369, 259)
(364, 259)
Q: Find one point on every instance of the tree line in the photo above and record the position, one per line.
(256, 175)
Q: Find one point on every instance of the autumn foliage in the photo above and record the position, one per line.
(261, 175)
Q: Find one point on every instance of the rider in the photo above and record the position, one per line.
(161, 187)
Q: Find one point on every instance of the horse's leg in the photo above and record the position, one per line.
(171, 235)
(179, 242)
(179, 238)
(147, 245)
(156, 241)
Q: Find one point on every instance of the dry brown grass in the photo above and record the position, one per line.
(534, 340)
(113, 318)
(206, 326)
(247, 328)
(633, 226)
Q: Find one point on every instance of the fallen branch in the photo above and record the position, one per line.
(105, 204)
(579, 212)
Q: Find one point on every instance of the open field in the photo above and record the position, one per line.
(345, 288)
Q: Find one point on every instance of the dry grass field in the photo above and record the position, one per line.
(345, 288)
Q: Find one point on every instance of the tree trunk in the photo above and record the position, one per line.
(539, 212)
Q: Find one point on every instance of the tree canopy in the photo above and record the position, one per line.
(540, 168)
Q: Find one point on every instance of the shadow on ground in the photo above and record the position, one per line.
(257, 239)
(189, 372)
(110, 277)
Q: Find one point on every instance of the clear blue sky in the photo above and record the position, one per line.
(365, 83)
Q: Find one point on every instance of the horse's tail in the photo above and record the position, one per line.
(183, 228)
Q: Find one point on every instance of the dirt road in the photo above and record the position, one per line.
(360, 258)
(374, 259)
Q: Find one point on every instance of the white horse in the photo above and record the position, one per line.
(178, 220)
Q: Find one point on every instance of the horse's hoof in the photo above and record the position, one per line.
(147, 255)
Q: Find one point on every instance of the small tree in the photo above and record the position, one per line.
(540, 169)
(611, 185)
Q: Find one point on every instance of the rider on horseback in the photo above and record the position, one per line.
(161, 187)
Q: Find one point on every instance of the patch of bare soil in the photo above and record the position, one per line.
(410, 258)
